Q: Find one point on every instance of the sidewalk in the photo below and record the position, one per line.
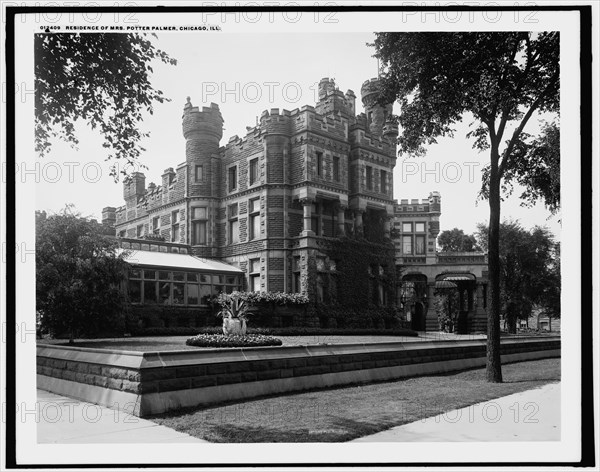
(68, 421)
(532, 415)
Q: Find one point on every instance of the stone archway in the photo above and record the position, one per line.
(466, 296)
(412, 298)
(418, 317)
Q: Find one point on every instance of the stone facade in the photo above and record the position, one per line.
(265, 202)
(261, 202)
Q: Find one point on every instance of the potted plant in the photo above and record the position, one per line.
(233, 311)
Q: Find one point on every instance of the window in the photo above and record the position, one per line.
(296, 271)
(253, 171)
(232, 178)
(254, 223)
(254, 275)
(336, 168)
(135, 291)
(319, 164)
(177, 288)
(419, 227)
(383, 181)
(192, 294)
(178, 291)
(175, 226)
(369, 178)
(199, 225)
(420, 245)
(150, 292)
(407, 245)
(320, 288)
(199, 173)
(139, 231)
(233, 224)
(156, 225)
(407, 227)
(122, 233)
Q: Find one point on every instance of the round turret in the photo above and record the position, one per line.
(376, 113)
(202, 130)
(206, 123)
(435, 202)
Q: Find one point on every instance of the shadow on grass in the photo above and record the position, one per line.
(338, 430)
(542, 381)
(123, 345)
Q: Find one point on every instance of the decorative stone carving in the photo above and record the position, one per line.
(234, 326)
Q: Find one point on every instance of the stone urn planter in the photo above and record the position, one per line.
(234, 326)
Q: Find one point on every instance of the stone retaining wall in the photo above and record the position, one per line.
(155, 382)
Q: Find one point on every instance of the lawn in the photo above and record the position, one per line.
(343, 414)
(170, 343)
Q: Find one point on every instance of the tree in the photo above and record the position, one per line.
(528, 275)
(101, 78)
(501, 79)
(455, 240)
(78, 276)
(551, 294)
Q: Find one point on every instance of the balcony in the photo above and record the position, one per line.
(461, 257)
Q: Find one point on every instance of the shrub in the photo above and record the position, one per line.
(290, 331)
(220, 340)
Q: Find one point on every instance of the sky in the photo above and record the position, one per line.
(246, 73)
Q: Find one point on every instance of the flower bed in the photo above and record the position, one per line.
(220, 340)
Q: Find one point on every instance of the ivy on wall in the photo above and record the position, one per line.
(359, 272)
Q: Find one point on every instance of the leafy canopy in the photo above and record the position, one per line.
(103, 79)
(455, 240)
(78, 276)
(439, 77)
(497, 78)
(536, 168)
(530, 271)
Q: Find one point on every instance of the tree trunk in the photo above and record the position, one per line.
(493, 366)
(512, 325)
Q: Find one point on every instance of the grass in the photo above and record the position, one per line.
(170, 343)
(177, 342)
(343, 414)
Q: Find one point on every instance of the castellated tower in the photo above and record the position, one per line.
(202, 130)
(390, 134)
(334, 101)
(134, 188)
(435, 209)
(376, 114)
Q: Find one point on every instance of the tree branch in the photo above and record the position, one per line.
(515, 137)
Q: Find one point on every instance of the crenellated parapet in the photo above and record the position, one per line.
(206, 122)
(332, 101)
(134, 188)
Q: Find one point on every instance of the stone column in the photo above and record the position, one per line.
(387, 226)
(358, 221)
(307, 206)
(341, 220)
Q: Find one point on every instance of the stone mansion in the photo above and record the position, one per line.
(250, 214)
